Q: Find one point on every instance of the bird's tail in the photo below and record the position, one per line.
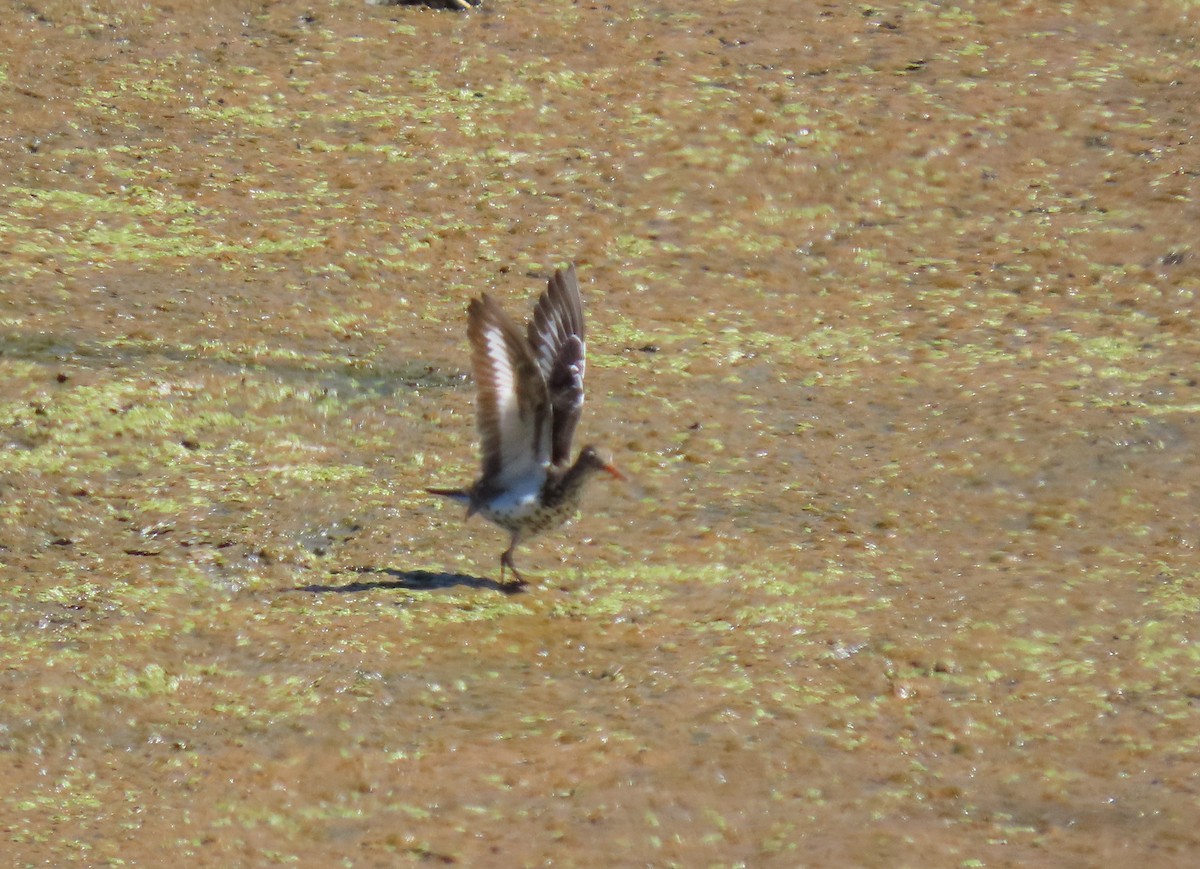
(462, 496)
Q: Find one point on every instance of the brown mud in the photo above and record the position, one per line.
(893, 319)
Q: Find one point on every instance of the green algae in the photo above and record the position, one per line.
(822, 617)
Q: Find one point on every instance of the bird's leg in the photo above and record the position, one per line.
(506, 560)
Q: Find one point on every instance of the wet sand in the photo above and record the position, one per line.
(892, 319)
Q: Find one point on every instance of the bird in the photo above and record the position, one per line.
(529, 398)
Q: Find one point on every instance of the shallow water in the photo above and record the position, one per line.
(892, 322)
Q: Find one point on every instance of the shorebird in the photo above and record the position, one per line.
(529, 397)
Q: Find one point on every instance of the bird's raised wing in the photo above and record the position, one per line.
(557, 338)
(512, 406)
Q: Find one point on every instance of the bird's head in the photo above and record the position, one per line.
(590, 458)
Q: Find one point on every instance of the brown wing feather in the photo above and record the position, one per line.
(512, 405)
(556, 334)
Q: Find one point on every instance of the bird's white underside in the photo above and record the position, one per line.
(516, 502)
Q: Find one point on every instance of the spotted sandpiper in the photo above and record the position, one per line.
(529, 397)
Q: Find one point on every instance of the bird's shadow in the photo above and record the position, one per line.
(409, 580)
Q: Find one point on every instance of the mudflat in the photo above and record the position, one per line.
(892, 319)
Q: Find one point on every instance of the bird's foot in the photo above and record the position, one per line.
(518, 582)
(515, 587)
